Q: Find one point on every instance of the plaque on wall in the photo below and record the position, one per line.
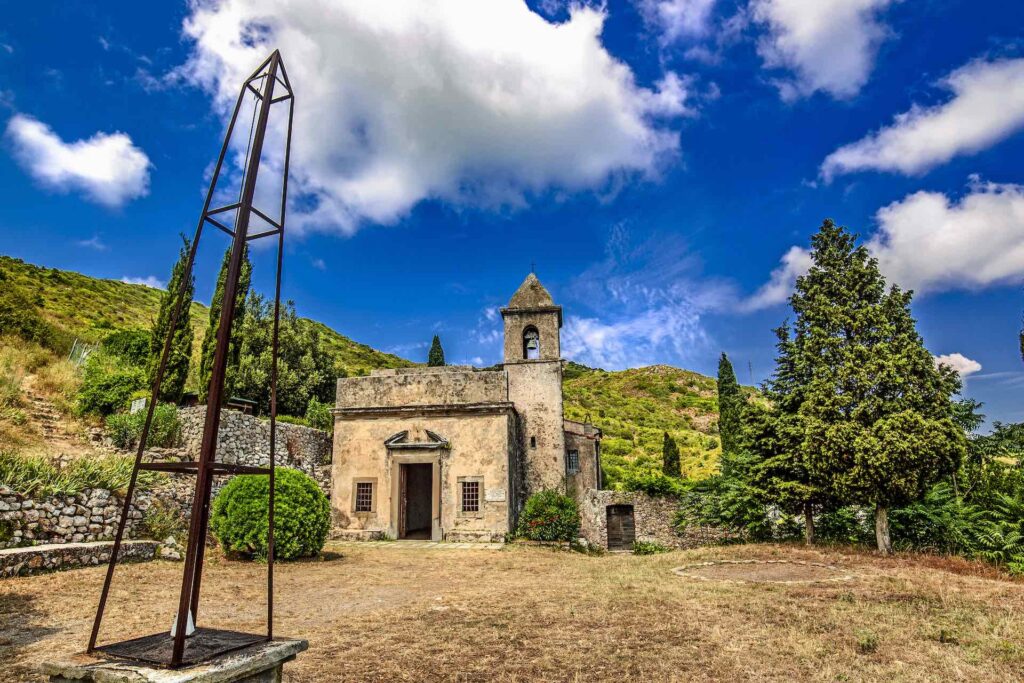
(494, 495)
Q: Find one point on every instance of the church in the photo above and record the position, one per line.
(451, 453)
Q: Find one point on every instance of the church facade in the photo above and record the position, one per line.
(452, 453)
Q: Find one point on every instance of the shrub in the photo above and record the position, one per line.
(654, 483)
(36, 476)
(107, 384)
(318, 415)
(549, 516)
(163, 519)
(125, 429)
(648, 548)
(132, 346)
(302, 515)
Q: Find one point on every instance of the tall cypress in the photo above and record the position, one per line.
(180, 354)
(730, 406)
(436, 356)
(670, 464)
(210, 339)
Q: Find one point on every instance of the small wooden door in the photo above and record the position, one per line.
(403, 500)
(621, 527)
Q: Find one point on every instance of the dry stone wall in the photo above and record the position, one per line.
(48, 558)
(653, 517)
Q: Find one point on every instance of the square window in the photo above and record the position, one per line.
(364, 496)
(572, 462)
(470, 496)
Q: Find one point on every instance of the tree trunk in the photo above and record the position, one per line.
(808, 524)
(882, 530)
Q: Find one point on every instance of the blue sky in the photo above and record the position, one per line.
(662, 162)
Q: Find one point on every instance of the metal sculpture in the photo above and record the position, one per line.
(184, 646)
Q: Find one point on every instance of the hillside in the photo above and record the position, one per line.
(89, 308)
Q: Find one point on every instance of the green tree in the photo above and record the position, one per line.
(670, 464)
(436, 356)
(210, 339)
(730, 406)
(180, 355)
(875, 413)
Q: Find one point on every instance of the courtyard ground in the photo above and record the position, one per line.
(397, 612)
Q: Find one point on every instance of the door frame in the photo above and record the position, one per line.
(397, 525)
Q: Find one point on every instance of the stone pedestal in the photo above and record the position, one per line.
(260, 663)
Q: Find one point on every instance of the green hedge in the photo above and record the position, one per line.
(549, 516)
(302, 515)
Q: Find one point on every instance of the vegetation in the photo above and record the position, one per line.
(125, 429)
(179, 294)
(37, 476)
(549, 516)
(730, 405)
(318, 415)
(108, 384)
(670, 457)
(238, 320)
(648, 548)
(302, 515)
(435, 358)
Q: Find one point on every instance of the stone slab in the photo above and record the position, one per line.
(259, 663)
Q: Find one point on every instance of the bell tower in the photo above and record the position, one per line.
(533, 364)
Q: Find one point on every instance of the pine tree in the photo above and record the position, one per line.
(436, 356)
(730, 406)
(210, 339)
(180, 354)
(875, 415)
(670, 465)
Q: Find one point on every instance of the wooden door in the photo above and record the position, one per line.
(403, 501)
(621, 527)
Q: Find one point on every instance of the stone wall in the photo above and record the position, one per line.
(652, 515)
(48, 558)
(245, 440)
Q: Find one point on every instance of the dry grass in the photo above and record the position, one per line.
(387, 612)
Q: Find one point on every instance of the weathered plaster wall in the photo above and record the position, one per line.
(535, 387)
(653, 516)
(547, 320)
(479, 447)
(449, 385)
(585, 439)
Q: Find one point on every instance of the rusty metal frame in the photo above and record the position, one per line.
(261, 84)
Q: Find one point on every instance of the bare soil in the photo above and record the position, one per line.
(762, 571)
(384, 612)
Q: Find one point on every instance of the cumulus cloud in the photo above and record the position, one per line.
(475, 103)
(107, 168)
(150, 281)
(829, 45)
(675, 20)
(987, 106)
(930, 242)
(963, 365)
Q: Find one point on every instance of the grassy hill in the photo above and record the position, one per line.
(89, 309)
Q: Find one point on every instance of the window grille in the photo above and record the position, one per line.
(572, 462)
(471, 496)
(364, 496)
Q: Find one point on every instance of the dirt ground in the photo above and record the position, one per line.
(388, 612)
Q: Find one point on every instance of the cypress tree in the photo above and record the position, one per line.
(670, 464)
(210, 339)
(436, 356)
(180, 354)
(875, 414)
(730, 406)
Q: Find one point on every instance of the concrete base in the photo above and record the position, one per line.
(261, 663)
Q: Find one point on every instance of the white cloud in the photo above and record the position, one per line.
(107, 168)
(677, 19)
(795, 263)
(475, 103)
(963, 365)
(987, 106)
(319, 264)
(930, 242)
(829, 45)
(93, 242)
(151, 281)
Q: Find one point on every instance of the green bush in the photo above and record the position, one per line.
(302, 515)
(549, 516)
(125, 429)
(131, 346)
(654, 483)
(107, 384)
(648, 548)
(318, 415)
(36, 476)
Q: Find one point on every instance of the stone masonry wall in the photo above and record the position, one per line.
(245, 440)
(652, 515)
(47, 558)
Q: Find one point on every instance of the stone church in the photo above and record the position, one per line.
(452, 453)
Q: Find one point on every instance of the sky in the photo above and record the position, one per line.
(660, 164)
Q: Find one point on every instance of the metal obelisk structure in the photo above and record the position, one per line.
(162, 649)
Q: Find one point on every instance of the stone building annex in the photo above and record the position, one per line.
(451, 453)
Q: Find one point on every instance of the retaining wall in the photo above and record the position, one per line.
(48, 558)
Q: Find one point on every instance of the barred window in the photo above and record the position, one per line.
(364, 496)
(572, 462)
(470, 496)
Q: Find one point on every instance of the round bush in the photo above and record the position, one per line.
(302, 515)
(549, 516)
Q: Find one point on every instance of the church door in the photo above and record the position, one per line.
(621, 527)
(415, 488)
